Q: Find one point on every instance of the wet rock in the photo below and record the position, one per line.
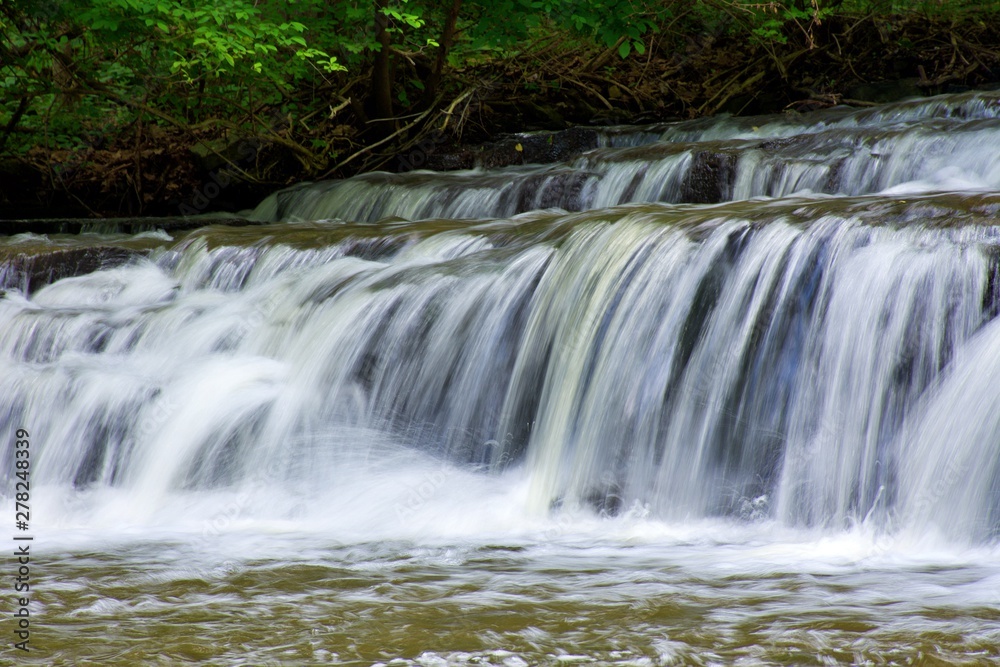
(608, 502)
(29, 272)
(543, 191)
(710, 179)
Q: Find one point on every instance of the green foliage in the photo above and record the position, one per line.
(618, 22)
(66, 56)
(70, 69)
(771, 22)
(85, 57)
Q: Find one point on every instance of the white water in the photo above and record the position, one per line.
(803, 384)
(720, 370)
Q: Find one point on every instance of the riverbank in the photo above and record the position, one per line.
(146, 166)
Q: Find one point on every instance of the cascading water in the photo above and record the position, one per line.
(797, 361)
(939, 145)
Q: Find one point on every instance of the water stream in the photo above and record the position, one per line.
(717, 392)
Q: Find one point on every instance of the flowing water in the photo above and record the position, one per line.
(718, 392)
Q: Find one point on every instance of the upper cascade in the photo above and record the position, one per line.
(946, 143)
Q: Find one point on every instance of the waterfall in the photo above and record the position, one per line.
(796, 327)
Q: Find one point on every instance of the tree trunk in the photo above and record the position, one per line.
(381, 92)
(15, 118)
(447, 39)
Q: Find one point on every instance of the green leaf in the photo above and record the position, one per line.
(625, 49)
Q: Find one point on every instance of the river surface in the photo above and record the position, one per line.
(718, 392)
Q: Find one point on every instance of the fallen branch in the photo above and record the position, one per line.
(381, 142)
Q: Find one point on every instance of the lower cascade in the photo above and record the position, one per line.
(820, 365)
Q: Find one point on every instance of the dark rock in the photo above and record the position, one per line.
(29, 272)
(710, 179)
(548, 191)
(461, 159)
